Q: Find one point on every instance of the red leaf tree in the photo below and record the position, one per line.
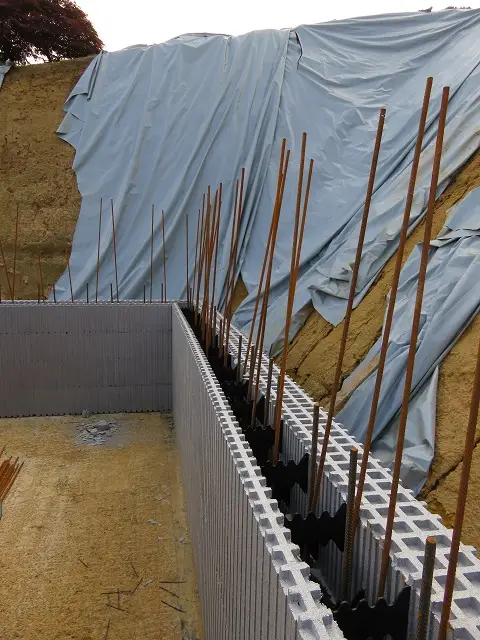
(45, 30)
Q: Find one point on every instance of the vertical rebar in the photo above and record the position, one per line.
(151, 252)
(263, 313)
(41, 276)
(15, 257)
(98, 248)
(348, 313)
(461, 501)
(296, 247)
(215, 243)
(235, 255)
(164, 256)
(111, 292)
(220, 329)
(313, 453)
(70, 277)
(145, 293)
(423, 618)
(162, 293)
(88, 300)
(266, 408)
(267, 251)
(250, 377)
(349, 526)
(413, 343)
(392, 300)
(230, 255)
(186, 236)
(114, 248)
(6, 271)
(239, 359)
(200, 256)
(195, 263)
(54, 293)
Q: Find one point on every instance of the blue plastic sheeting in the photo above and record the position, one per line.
(158, 124)
(4, 69)
(451, 301)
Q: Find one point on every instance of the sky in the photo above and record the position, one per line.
(123, 23)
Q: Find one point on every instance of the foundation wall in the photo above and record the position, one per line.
(117, 357)
(252, 582)
(63, 358)
(413, 521)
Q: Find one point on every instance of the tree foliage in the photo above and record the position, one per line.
(45, 30)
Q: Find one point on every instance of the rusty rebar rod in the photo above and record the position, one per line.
(199, 268)
(216, 240)
(164, 256)
(423, 617)
(69, 276)
(186, 253)
(206, 243)
(392, 300)
(6, 271)
(313, 452)
(208, 310)
(349, 526)
(206, 287)
(15, 256)
(195, 263)
(114, 248)
(227, 284)
(98, 248)
(299, 226)
(41, 277)
(267, 253)
(266, 408)
(461, 502)
(234, 263)
(348, 313)
(151, 252)
(239, 359)
(251, 372)
(266, 295)
(413, 344)
(232, 242)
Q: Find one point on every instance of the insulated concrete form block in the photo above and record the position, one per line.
(66, 357)
(252, 582)
(413, 522)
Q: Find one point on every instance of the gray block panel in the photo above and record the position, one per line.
(63, 358)
(249, 573)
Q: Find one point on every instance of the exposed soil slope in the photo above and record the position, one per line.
(36, 173)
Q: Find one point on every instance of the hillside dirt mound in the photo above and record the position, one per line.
(36, 173)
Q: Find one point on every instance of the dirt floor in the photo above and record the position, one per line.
(35, 171)
(82, 521)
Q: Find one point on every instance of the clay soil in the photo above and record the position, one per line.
(76, 526)
(35, 171)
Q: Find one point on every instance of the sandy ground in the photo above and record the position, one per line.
(76, 526)
(35, 171)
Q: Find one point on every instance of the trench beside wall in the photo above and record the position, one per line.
(64, 358)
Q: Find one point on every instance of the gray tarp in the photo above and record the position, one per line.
(4, 69)
(451, 301)
(158, 124)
